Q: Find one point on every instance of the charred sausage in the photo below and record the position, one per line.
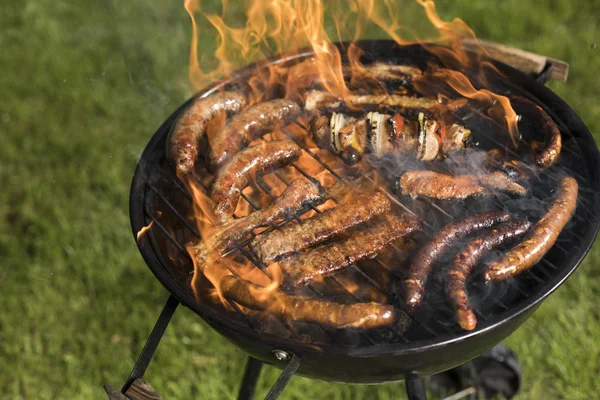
(185, 137)
(444, 187)
(544, 154)
(249, 125)
(296, 308)
(467, 259)
(527, 253)
(245, 166)
(296, 237)
(421, 264)
(301, 269)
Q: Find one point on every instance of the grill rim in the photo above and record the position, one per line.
(220, 321)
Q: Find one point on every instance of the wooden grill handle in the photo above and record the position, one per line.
(528, 62)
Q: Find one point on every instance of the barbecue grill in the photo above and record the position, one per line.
(433, 343)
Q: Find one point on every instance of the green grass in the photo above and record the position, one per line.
(84, 86)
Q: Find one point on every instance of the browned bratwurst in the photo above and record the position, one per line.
(467, 259)
(296, 308)
(300, 269)
(544, 154)
(296, 196)
(245, 166)
(296, 237)
(249, 125)
(185, 137)
(541, 239)
(421, 264)
(444, 187)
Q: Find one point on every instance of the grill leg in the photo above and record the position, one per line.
(284, 378)
(253, 368)
(415, 389)
(152, 343)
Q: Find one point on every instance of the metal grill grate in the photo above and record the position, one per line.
(434, 319)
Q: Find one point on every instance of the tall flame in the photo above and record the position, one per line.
(281, 26)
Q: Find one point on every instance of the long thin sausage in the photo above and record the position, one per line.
(248, 125)
(527, 253)
(421, 264)
(296, 308)
(245, 166)
(467, 259)
(184, 139)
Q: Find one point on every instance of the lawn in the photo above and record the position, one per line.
(84, 86)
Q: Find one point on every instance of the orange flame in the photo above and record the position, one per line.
(281, 26)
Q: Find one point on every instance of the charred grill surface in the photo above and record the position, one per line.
(467, 259)
(296, 308)
(296, 237)
(301, 269)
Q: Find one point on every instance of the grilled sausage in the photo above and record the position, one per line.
(527, 253)
(296, 237)
(421, 264)
(544, 154)
(467, 259)
(445, 187)
(296, 308)
(245, 166)
(185, 137)
(317, 99)
(296, 196)
(301, 269)
(249, 125)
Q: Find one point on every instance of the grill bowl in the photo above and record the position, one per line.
(422, 354)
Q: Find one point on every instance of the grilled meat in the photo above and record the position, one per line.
(245, 166)
(300, 269)
(296, 196)
(422, 262)
(249, 125)
(467, 259)
(185, 137)
(541, 239)
(381, 134)
(316, 99)
(444, 187)
(544, 154)
(296, 237)
(296, 308)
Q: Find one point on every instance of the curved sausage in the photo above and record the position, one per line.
(421, 264)
(296, 308)
(185, 137)
(544, 155)
(467, 259)
(249, 125)
(527, 253)
(245, 166)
